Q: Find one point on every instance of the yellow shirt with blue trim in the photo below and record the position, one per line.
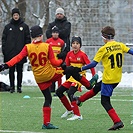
(112, 56)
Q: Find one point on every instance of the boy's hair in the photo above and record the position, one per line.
(36, 31)
(78, 39)
(108, 32)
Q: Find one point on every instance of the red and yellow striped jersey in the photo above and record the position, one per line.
(78, 59)
(56, 44)
(40, 55)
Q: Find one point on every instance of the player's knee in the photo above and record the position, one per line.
(70, 95)
(59, 92)
(105, 103)
(48, 102)
(97, 87)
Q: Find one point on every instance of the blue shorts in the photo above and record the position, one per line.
(107, 89)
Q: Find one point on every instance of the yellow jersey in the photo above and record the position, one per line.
(112, 56)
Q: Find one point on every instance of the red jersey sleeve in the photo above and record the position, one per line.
(62, 43)
(52, 59)
(18, 57)
(67, 59)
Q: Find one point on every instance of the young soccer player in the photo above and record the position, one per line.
(76, 58)
(57, 45)
(111, 55)
(42, 60)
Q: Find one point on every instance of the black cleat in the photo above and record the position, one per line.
(117, 125)
(49, 126)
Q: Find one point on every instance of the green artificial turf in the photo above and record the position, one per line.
(19, 114)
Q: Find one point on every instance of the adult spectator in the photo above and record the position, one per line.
(15, 35)
(64, 31)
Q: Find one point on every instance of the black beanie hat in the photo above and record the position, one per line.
(55, 29)
(36, 31)
(78, 39)
(15, 10)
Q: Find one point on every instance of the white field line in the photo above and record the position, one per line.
(10, 131)
(120, 100)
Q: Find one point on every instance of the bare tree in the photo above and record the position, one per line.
(22, 6)
(43, 16)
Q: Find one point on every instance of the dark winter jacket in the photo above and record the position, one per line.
(15, 35)
(64, 33)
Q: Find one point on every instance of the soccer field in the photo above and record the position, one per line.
(21, 115)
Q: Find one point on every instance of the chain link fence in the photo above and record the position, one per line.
(89, 16)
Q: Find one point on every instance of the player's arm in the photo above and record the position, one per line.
(76, 69)
(98, 57)
(18, 57)
(52, 58)
(130, 51)
(89, 66)
(14, 60)
(67, 61)
(87, 61)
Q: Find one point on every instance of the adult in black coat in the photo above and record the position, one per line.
(64, 27)
(15, 35)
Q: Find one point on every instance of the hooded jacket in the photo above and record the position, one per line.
(15, 36)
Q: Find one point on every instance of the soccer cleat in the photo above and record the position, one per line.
(117, 125)
(66, 114)
(75, 117)
(78, 102)
(93, 81)
(49, 126)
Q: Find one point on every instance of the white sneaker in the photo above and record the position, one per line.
(75, 117)
(66, 114)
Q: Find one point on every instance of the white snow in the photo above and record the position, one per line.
(28, 79)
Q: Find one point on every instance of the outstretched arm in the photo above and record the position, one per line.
(14, 60)
(18, 57)
(130, 51)
(89, 66)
